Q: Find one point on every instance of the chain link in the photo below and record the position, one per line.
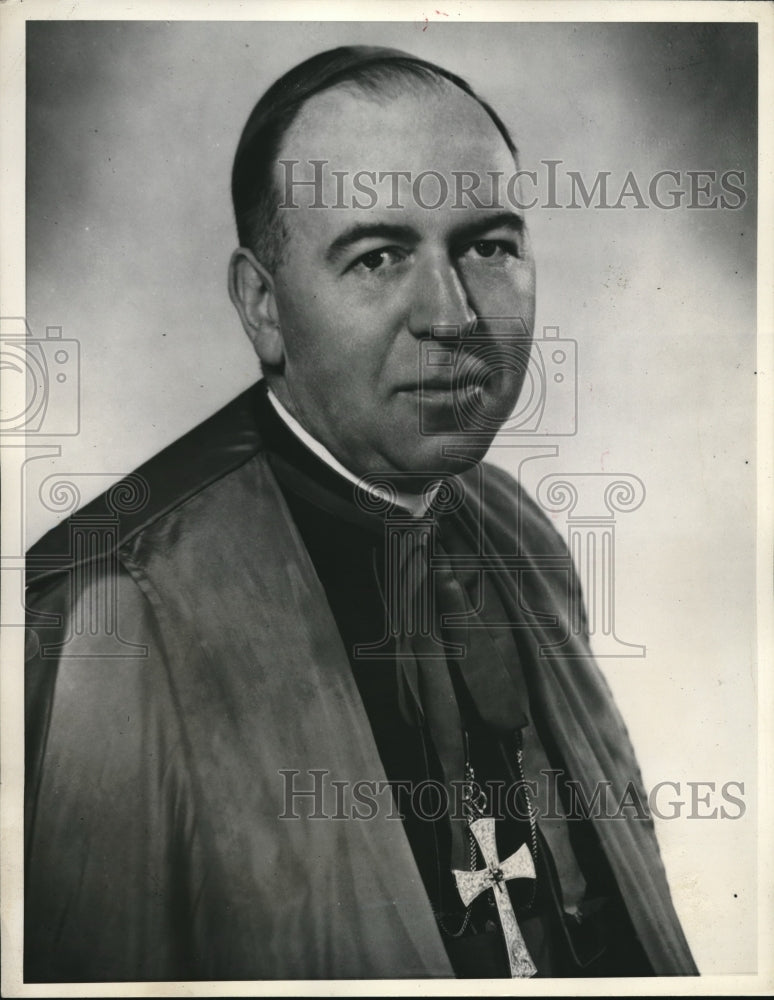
(533, 842)
(471, 806)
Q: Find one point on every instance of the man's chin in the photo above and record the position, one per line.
(448, 454)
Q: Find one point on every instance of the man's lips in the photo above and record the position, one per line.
(435, 387)
(441, 388)
(476, 404)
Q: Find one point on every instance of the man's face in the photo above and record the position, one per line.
(359, 289)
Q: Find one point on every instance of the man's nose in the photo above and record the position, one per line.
(439, 298)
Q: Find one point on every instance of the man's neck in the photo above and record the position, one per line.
(415, 503)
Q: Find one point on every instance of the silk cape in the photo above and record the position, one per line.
(155, 782)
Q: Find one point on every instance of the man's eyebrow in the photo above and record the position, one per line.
(364, 231)
(407, 234)
(485, 223)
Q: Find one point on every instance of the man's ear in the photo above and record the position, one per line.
(251, 289)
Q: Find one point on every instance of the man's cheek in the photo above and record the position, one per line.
(502, 293)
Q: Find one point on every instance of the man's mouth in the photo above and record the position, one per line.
(446, 389)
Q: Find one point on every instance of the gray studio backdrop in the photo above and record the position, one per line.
(131, 132)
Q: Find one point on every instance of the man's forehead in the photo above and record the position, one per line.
(432, 127)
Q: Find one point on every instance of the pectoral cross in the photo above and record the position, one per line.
(494, 876)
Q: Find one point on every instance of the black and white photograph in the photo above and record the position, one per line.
(385, 438)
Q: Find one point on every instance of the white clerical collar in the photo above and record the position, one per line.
(415, 503)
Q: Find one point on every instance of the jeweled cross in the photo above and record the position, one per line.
(494, 876)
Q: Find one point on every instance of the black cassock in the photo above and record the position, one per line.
(164, 838)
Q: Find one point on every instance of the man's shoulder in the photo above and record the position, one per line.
(509, 509)
(202, 456)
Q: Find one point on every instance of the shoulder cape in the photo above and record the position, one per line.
(188, 712)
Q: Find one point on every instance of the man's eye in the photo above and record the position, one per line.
(375, 260)
(492, 249)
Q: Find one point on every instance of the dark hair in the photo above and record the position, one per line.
(371, 68)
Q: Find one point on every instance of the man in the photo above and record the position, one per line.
(328, 607)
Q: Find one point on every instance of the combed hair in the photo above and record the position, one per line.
(373, 69)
